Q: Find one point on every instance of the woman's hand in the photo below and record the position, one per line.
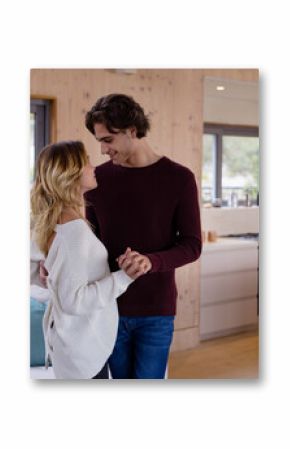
(134, 264)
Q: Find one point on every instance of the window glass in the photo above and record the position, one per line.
(39, 130)
(230, 168)
(240, 170)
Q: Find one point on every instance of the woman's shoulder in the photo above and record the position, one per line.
(73, 229)
(74, 222)
(70, 233)
(69, 241)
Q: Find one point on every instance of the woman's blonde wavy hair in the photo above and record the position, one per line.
(57, 186)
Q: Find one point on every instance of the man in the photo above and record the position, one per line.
(149, 203)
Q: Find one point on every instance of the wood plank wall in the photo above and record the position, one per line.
(173, 98)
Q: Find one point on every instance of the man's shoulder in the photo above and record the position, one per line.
(104, 168)
(179, 170)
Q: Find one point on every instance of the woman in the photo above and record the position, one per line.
(81, 320)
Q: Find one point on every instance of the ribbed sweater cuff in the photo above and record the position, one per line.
(155, 261)
(122, 278)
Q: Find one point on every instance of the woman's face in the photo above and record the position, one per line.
(88, 179)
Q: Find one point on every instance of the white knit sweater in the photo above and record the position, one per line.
(81, 320)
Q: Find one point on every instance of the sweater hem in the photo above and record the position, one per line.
(138, 313)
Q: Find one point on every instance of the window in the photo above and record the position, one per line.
(39, 130)
(230, 175)
(209, 143)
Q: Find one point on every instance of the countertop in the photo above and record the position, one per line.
(227, 244)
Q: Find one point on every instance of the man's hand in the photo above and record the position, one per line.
(134, 264)
(43, 273)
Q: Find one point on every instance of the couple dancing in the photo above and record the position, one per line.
(111, 237)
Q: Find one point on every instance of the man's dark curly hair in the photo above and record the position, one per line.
(118, 112)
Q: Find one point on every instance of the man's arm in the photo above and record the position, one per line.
(188, 244)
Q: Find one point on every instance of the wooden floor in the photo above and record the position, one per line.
(233, 357)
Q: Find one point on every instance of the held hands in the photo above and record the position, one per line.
(134, 264)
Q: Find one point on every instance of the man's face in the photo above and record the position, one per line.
(119, 147)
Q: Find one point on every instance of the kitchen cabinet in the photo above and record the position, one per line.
(229, 287)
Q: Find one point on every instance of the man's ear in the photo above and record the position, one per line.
(133, 132)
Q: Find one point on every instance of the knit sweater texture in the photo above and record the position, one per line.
(81, 320)
(155, 211)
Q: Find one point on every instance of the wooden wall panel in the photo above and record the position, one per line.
(233, 74)
(173, 98)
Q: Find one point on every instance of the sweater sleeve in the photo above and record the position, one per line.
(68, 279)
(188, 243)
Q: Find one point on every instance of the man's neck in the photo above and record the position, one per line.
(142, 156)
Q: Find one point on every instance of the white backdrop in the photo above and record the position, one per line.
(201, 414)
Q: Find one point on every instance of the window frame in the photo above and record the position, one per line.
(220, 130)
(42, 110)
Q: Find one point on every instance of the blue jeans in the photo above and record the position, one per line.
(142, 347)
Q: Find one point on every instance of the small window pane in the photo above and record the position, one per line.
(39, 129)
(240, 170)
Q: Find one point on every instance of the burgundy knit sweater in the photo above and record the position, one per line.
(153, 210)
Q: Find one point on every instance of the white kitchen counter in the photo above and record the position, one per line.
(226, 244)
(229, 283)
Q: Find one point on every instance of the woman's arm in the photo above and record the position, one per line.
(68, 277)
